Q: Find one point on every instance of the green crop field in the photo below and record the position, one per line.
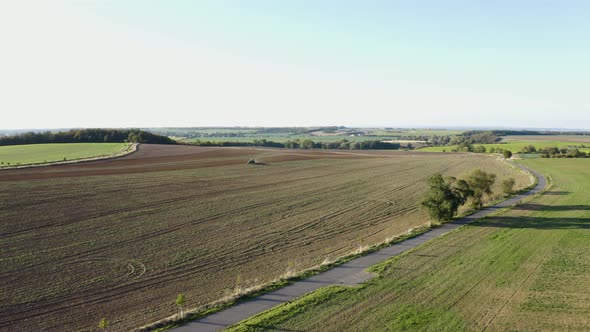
(121, 238)
(516, 146)
(563, 138)
(525, 269)
(42, 153)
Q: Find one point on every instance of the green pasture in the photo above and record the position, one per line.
(13, 155)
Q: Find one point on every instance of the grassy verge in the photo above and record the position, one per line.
(264, 321)
(246, 294)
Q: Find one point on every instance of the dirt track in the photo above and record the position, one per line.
(120, 238)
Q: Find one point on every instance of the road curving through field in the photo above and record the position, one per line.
(350, 273)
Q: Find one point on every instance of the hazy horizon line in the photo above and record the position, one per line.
(310, 126)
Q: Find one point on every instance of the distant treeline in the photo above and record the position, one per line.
(309, 144)
(464, 139)
(545, 152)
(205, 132)
(555, 152)
(87, 136)
(489, 137)
(475, 137)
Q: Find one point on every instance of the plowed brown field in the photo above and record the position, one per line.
(121, 238)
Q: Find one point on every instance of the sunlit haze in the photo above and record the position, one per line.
(299, 63)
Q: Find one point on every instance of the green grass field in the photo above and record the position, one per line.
(526, 269)
(43, 153)
(563, 138)
(516, 146)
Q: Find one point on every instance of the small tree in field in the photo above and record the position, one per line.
(443, 198)
(481, 183)
(460, 189)
(507, 154)
(508, 186)
(103, 324)
(180, 300)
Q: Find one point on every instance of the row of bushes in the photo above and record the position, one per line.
(468, 147)
(464, 141)
(446, 194)
(554, 152)
(546, 152)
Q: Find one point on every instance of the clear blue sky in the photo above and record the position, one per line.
(280, 63)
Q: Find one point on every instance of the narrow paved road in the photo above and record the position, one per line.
(351, 273)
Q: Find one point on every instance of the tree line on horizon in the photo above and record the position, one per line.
(94, 135)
